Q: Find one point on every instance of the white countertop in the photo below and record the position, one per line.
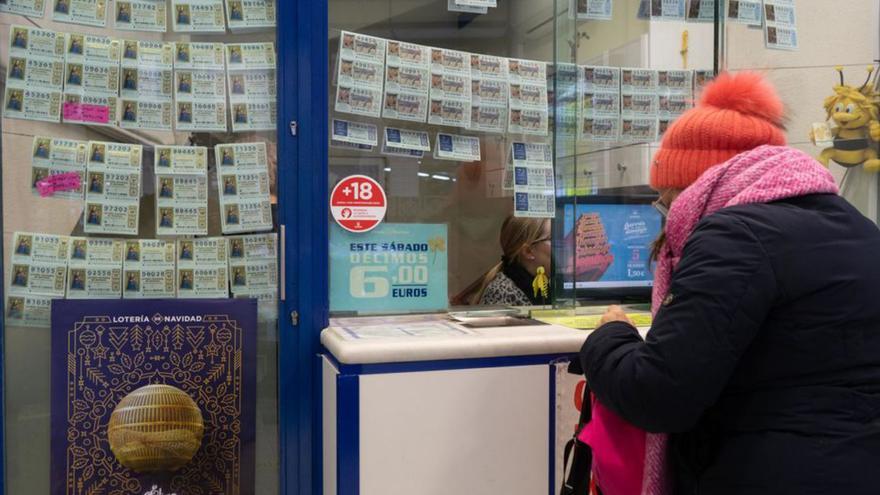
(397, 339)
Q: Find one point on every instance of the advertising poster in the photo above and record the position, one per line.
(780, 25)
(253, 271)
(148, 269)
(202, 268)
(94, 268)
(141, 15)
(55, 156)
(600, 10)
(198, 16)
(113, 188)
(407, 77)
(181, 175)
(85, 12)
(393, 268)
(103, 350)
(613, 244)
(30, 8)
(361, 72)
(243, 187)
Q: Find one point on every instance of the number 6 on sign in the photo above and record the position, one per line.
(365, 287)
(358, 203)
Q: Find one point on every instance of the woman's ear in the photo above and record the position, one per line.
(527, 253)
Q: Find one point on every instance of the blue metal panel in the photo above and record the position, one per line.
(348, 435)
(303, 211)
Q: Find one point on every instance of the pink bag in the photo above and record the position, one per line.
(619, 451)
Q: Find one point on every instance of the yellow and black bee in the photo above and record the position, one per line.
(854, 111)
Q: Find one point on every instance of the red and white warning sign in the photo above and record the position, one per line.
(358, 203)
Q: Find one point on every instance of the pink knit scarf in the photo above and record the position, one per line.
(763, 175)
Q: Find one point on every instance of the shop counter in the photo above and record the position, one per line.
(425, 406)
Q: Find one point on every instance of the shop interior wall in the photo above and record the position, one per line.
(830, 34)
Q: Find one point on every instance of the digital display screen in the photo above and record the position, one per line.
(612, 245)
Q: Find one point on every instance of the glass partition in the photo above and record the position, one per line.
(561, 104)
(134, 130)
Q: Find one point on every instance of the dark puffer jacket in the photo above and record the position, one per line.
(764, 362)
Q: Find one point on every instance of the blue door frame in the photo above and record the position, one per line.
(304, 212)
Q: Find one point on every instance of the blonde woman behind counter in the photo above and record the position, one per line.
(526, 246)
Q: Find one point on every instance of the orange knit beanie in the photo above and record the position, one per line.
(736, 113)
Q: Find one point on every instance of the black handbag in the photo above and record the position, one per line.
(577, 474)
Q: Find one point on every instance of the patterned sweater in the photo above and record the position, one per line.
(504, 292)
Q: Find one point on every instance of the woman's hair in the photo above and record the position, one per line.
(516, 235)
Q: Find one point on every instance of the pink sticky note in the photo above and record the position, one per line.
(98, 114)
(95, 114)
(70, 181)
(72, 111)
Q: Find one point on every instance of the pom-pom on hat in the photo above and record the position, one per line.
(736, 113)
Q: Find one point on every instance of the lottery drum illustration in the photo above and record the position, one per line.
(156, 428)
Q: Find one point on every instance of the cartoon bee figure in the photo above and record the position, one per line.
(854, 111)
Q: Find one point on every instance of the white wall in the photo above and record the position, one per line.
(830, 34)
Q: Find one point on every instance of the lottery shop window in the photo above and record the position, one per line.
(544, 112)
(138, 161)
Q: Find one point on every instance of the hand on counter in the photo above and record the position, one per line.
(612, 314)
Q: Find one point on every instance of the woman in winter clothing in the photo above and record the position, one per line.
(761, 372)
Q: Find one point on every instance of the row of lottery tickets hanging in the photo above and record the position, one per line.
(107, 179)
(186, 16)
(148, 85)
(388, 79)
(47, 267)
(395, 80)
(777, 17)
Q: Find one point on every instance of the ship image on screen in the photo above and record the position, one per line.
(592, 251)
(611, 241)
